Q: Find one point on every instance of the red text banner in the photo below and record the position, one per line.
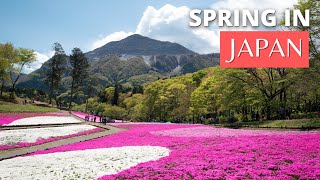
(264, 49)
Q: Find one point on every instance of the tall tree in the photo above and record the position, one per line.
(116, 92)
(4, 63)
(79, 73)
(56, 69)
(24, 57)
(109, 93)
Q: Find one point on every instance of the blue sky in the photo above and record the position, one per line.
(88, 24)
(37, 24)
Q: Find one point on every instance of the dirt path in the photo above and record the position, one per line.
(25, 150)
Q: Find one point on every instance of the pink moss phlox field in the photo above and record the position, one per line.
(41, 141)
(278, 156)
(206, 131)
(7, 118)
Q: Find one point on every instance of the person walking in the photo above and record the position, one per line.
(202, 119)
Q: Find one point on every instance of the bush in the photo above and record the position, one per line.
(79, 108)
(210, 121)
(308, 115)
(114, 112)
(223, 119)
(232, 119)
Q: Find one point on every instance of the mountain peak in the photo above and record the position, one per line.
(139, 45)
(135, 36)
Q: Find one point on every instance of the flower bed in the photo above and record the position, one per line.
(7, 118)
(42, 120)
(206, 131)
(10, 139)
(85, 164)
(245, 156)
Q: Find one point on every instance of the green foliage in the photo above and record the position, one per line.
(109, 93)
(296, 123)
(80, 65)
(23, 57)
(168, 100)
(13, 60)
(114, 112)
(203, 100)
(56, 69)
(134, 106)
(144, 79)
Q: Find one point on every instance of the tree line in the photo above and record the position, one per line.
(79, 65)
(14, 60)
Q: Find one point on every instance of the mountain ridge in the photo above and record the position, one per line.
(135, 60)
(138, 45)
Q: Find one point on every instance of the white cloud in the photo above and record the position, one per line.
(41, 58)
(109, 38)
(170, 23)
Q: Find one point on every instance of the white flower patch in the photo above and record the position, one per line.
(83, 164)
(44, 120)
(12, 137)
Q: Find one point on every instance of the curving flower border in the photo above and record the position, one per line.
(285, 156)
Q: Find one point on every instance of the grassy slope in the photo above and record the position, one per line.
(25, 108)
(296, 123)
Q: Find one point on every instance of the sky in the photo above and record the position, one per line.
(89, 24)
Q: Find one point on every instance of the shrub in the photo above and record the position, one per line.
(308, 115)
(232, 119)
(223, 119)
(114, 112)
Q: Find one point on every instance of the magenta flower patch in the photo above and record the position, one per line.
(282, 155)
(206, 131)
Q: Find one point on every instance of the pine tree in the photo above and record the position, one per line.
(80, 65)
(115, 98)
(56, 69)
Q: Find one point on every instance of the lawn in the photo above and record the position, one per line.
(25, 108)
(295, 123)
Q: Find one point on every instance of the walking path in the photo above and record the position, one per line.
(6, 154)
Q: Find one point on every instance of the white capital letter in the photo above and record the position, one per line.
(271, 21)
(258, 48)
(276, 43)
(304, 20)
(194, 17)
(290, 43)
(224, 16)
(209, 15)
(245, 43)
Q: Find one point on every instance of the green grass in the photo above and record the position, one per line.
(295, 123)
(25, 108)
